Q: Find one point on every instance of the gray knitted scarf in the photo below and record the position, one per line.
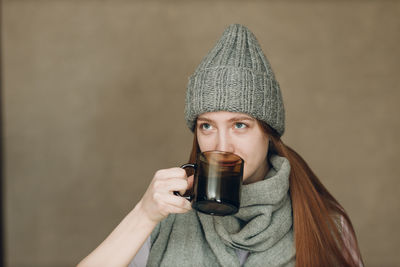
(263, 226)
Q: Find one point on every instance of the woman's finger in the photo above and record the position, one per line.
(171, 172)
(166, 202)
(178, 202)
(171, 184)
(188, 186)
(190, 181)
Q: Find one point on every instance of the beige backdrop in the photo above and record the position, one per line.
(94, 96)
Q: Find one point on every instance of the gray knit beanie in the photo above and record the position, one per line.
(235, 76)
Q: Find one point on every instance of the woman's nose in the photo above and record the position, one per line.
(224, 143)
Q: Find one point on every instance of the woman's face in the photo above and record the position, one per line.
(238, 133)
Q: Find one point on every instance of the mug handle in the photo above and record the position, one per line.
(184, 166)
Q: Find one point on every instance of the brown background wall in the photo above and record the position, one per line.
(94, 96)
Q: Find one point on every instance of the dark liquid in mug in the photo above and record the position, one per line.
(218, 191)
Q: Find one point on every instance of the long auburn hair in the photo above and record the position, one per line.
(317, 215)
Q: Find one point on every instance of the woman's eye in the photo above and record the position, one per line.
(240, 125)
(205, 126)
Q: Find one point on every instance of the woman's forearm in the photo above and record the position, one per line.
(121, 246)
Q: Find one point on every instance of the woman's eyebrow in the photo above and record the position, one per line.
(204, 120)
(241, 119)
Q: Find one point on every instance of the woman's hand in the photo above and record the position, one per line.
(159, 199)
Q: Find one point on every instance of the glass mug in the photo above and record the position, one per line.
(217, 183)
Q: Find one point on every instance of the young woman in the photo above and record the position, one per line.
(286, 217)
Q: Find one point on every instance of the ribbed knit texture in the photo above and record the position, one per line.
(235, 76)
(263, 227)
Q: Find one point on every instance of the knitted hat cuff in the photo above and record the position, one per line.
(235, 89)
